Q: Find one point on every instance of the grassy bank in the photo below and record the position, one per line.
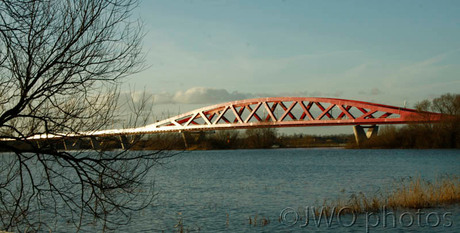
(412, 193)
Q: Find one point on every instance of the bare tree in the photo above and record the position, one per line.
(225, 139)
(261, 137)
(61, 63)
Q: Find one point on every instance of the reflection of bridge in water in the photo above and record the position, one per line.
(277, 112)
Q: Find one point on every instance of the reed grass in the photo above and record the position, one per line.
(259, 220)
(419, 193)
(412, 193)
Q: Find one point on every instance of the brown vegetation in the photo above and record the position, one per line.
(234, 139)
(413, 193)
(428, 135)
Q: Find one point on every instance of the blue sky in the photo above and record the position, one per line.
(200, 52)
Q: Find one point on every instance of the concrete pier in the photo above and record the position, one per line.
(361, 136)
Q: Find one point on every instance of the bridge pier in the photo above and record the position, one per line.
(192, 137)
(72, 144)
(127, 143)
(185, 139)
(124, 142)
(95, 144)
(361, 136)
(37, 142)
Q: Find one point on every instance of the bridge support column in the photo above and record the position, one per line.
(95, 144)
(128, 141)
(190, 138)
(124, 142)
(185, 139)
(361, 136)
(72, 144)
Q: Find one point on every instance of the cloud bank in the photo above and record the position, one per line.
(199, 95)
(205, 95)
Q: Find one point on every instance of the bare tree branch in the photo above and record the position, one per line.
(61, 64)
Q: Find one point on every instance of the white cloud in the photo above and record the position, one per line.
(163, 97)
(199, 95)
(205, 95)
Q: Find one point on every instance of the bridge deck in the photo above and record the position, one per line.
(275, 112)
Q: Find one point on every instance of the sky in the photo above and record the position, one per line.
(390, 52)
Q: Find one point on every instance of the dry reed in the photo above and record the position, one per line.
(413, 193)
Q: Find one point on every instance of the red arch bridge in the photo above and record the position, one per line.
(277, 112)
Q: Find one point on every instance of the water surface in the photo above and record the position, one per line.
(216, 191)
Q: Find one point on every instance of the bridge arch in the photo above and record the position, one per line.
(276, 112)
(288, 112)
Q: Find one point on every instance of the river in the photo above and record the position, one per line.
(220, 191)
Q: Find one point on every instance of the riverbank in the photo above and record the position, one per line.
(408, 193)
(240, 140)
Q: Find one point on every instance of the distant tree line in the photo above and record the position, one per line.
(257, 138)
(427, 135)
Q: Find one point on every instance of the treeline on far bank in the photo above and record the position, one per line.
(258, 138)
(239, 139)
(444, 134)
